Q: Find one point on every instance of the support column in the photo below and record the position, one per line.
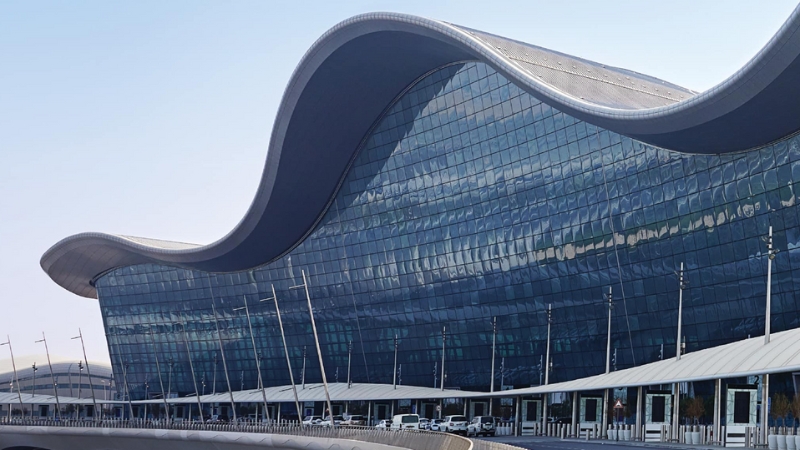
(604, 431)
(574, 429)
(764, 409)
(441, 408)
(465, 407)
(369, 414)
(676, 407)
(544, 415)
(517, 417)
(639, 403)
(717, 428)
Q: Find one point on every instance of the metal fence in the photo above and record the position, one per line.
(416, 439)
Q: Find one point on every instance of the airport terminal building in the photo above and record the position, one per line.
(429, 178)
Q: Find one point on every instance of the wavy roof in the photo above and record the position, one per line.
(350, 75)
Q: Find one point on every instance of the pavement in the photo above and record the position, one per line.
(552, 443)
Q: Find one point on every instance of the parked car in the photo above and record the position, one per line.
(482, 426)
(436, 425)
(454, 424)
(424, 424)
(337, 420)
(312, 420)
(405, 422)
(354, 421)
(384, 424)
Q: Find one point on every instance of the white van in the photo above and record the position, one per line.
(405, 422)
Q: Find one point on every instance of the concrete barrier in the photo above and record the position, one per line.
(320, 438)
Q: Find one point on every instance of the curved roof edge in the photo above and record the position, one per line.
(349, 76)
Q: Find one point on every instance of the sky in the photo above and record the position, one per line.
(153, 118)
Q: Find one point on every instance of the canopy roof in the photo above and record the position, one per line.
(738, 359)
(355, 70)
(339, 392)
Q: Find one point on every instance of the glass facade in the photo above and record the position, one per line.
(469, 200)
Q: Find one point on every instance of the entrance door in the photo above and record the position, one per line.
(479, 409)
(429, 410)
(530, 410)
(381, 412)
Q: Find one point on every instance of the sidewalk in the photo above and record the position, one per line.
(517, 440)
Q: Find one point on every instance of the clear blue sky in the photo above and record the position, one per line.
(152, 118)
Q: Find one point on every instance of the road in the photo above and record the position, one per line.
(549, 443)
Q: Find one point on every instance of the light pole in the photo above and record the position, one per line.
(52, 375)
(16, 379)
(681, 287)
(303, 372)
(349, 358)
(494, 347)
(771, 251)
(770, 256)
(394, 374)
(547, 365)
(610, 300)
(319, 350)
(88, 373)
(80, 388)
(255, 356)
(34, 387)
(214, 383)
(288, 362)
(678, 350)
(444, 340)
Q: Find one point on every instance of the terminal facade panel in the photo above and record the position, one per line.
(470, 199)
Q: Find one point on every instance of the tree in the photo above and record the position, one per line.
(780, 408)
(795, 407)
(695, 408)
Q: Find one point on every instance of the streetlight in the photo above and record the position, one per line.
(678, 350)
(255, 357)
(394, 376)
(80, 389)
(547, 364)
(33, 394)
(444, 340)
(88, 373)
(349, 356)
(771, 251)
(610, 300)
(494, 347)
(16, 379)
(52, 375)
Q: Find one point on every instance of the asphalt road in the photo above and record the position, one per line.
(548, 443)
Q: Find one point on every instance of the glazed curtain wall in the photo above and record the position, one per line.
(470, 199)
